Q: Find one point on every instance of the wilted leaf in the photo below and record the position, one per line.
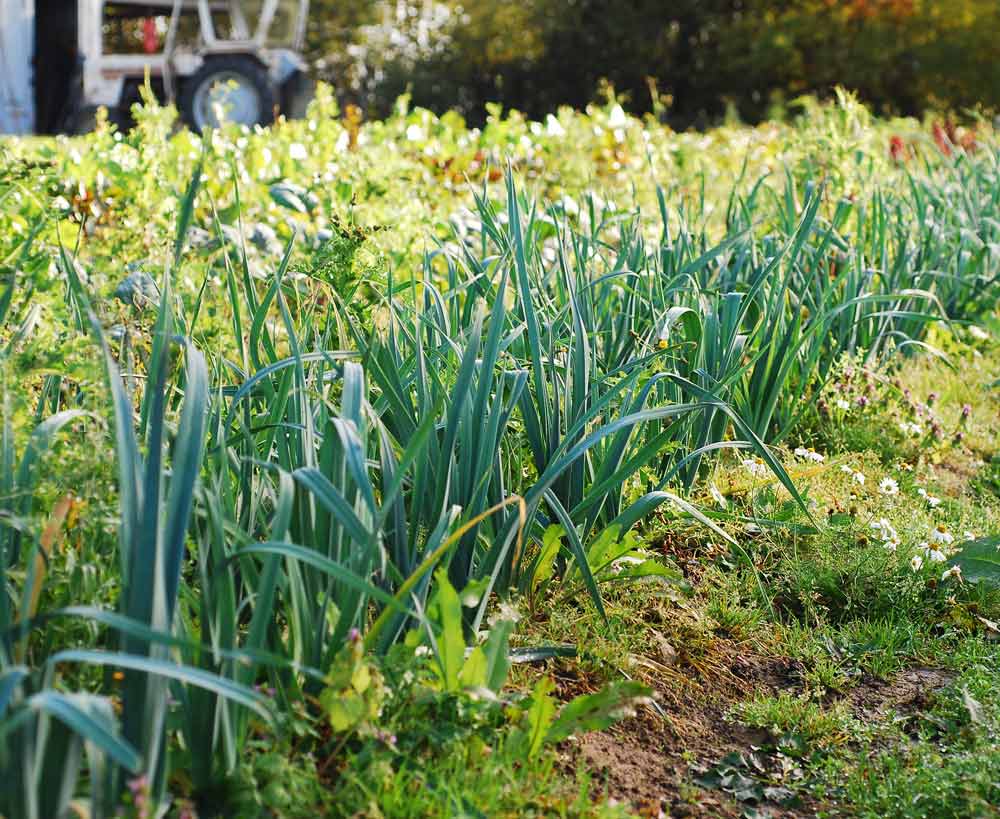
(973, 706)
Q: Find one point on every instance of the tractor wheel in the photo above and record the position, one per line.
(235, 87)
(297, 92)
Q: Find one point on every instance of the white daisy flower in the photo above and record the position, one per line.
(936, 556)
(887, 486)
(755, 466)
(886, 529)
(932, 501)
(890, 538)
(954, 571)
(859, 478)
(941, 535)
(916, 562)
(809, 455)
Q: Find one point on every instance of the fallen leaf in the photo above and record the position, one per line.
(990, 625)
(973, 707)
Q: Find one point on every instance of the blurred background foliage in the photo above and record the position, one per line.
(691, 62)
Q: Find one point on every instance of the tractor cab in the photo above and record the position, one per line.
(234, 60)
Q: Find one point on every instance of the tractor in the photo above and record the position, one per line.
(234, 60)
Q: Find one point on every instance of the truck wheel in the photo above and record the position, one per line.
(239, 85)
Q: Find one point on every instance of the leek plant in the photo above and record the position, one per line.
(503, 416)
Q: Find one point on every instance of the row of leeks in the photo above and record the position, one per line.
(547, 382)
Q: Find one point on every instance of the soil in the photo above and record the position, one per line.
(651, 761)
(905, 695)
(955, 475)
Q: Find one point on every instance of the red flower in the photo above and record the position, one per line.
(941, 139)
(897, 149)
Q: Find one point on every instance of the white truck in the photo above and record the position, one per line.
(62, 59)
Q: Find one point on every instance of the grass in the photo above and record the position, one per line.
(797, 722)
(388, 515)
(949, 768)
(884, 702)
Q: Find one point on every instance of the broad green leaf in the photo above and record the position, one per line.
(980, 560)
(595, 712)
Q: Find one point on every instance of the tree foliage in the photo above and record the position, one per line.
(691, 59)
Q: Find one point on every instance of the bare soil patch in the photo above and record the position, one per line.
(954, 475)
(904, 695)
(652, 761)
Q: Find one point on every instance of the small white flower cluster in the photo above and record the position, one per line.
(932, 501)
(978, 333)
(755, 466)
(911, 428)
(506, 613)
(809, 455)
(843, 404)
(858, 477)
(889, 536)
(937, 549)
(553, 127)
